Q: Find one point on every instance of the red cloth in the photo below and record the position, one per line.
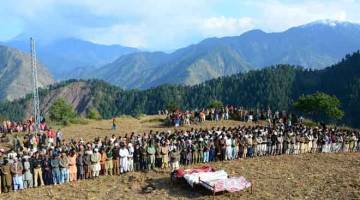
(51, 133)
(181, 172)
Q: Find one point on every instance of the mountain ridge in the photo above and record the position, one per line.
(314, 45)
(63, 56)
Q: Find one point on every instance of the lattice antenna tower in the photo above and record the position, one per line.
(36, 102)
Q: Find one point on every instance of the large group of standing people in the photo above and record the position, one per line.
(180, 118)
(50, 159)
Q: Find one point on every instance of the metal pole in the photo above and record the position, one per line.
(36, 106)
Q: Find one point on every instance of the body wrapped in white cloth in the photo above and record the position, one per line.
(194, 178)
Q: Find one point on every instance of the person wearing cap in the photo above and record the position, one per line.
(302, 144)
(150, 150)
(27, 176)
(87, 164)
(259, 146)
(130, 157)
(314, 145)
(143, 157)
(158, 159)
(206, 151)
(6, 178)
(95, 163)
(174, 159)
(244, 146)
(280, 143)
(164, 155)
(353, 143)
(137, 157)
(116, 159)
(228, 148)
(36, 163)
(59, 137)
(200, 147)
(102, 162)
(55, 167)
(46, 169)
(109, 162)
(80, 166)
(123, 153)
(17, 174)
(292, 142)
(235, 147)
(64, 168)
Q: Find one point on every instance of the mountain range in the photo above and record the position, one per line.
(16, 74)
(65, 56)
(314, 45)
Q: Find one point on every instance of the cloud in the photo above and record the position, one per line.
(154, 24)
(226, 26)
(280, 15)
(162, 24)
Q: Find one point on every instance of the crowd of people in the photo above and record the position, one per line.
(15, 127)
(49, 159)
(180, 118)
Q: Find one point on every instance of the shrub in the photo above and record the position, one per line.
(62, 112)
(93, 113)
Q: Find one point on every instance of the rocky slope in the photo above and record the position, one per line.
(16, 74)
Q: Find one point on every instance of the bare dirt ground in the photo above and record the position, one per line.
(310, 176)
(127, 124)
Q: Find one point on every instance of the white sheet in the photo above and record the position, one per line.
(205, 176)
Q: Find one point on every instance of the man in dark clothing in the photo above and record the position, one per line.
(6, 178)
(36, 163)
(143, 158)
(136, 157)
(87, 164)
(109, 166)
(80, 166)
(116, 158)
(46, 169)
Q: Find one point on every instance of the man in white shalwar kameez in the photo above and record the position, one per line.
(130, 157)
(123, 153)
(228, 155)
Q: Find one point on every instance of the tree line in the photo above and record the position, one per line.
(277, 87)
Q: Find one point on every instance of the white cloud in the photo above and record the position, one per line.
(226, 26)
(279, 15)
(163, 24)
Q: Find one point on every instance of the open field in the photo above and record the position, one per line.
(310, 176)
(127, 124)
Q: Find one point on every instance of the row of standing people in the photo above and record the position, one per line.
(68, 161)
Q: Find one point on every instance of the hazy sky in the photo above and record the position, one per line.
(162, 24)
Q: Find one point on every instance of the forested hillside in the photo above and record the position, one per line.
(315, 45)
(276, 86)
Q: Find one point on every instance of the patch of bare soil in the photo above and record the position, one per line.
(140, 125)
